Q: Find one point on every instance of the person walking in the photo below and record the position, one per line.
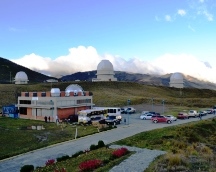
(49, 118)
(45, 118)
(200, 116)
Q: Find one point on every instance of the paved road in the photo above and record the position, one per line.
(39, 157)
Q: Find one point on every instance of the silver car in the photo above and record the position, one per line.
(146, 116)
(171, 117)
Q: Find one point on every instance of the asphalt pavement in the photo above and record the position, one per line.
(131, 125)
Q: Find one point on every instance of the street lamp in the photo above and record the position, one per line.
(128, 103)
(163, 101)
(152, 104)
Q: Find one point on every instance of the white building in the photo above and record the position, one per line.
(177, 80)
(54, 103)
(105, 72)
(21, 78)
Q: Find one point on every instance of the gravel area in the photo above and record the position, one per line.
(137, 162)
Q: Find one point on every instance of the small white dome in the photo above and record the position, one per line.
(21, 76)
(74, 88)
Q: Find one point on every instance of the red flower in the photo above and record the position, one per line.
(50, 162)
(90, 165)
(119, 152)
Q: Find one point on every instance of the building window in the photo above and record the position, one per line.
(28, 102)
(23, 110)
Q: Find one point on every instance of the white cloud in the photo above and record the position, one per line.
(168, 18)
(208, 15)
(201, 1)
(87, 58)
(181, 12)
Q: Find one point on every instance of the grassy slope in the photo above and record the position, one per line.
(117, 93)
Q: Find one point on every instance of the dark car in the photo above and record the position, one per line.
(72, 118)
(98, 119)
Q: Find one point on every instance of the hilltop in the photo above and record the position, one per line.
(117, 93)
(9, 69)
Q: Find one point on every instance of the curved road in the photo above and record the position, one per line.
(124, 130)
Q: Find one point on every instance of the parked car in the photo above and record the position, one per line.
(144, 112)
(173, 118)
(130, 110)
(98, 119)
(123, 110)
(182, 115)
(146, 116)
(161, 118)
(202, 113)
(209, 111)
(112, 120)
(193, 113)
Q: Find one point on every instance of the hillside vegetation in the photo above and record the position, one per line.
(117, 93)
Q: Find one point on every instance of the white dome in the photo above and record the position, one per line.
(21, 76)
(177, 80)
(176, 76)
(74, 87)
(105, 67)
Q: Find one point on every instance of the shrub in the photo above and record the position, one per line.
(90, 165)
(27, 168)
(93, 147)
(60, 170)
(100, 144)
(50, 162)
(63, 158)
(77, 154)
(119, 152)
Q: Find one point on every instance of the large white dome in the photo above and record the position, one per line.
(21, 76)
(176, 76)
(105, 67)
(177, 80)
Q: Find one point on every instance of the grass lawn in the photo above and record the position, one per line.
(16, 138)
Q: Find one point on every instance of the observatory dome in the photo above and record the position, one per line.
(21, 78)
(177, 76)
(105, 67)
(177, 80)
(75, 88)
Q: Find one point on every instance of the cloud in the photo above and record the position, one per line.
(201, 1)
(181, 12)
(80, 59)
(168, 18)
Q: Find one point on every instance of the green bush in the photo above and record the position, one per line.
(93, 147)
(77, 154)
(27, 168)
(63, 158)
(101, 144)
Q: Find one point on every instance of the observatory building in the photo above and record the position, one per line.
(105, 72)
(55, 104)
(177, 80)
(21, 78)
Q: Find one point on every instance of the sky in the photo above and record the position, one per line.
(59, 38)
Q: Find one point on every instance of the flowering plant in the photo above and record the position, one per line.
(50, 162)
(90, 165)
(119, 152)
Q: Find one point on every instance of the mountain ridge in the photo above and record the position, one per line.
(9, 69)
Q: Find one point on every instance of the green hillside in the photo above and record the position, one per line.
(117, 93)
